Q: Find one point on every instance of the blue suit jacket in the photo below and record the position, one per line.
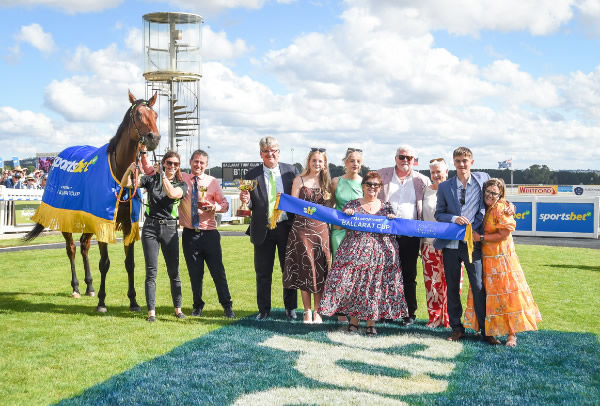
(448, 204)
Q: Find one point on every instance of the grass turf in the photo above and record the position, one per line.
(55, 346)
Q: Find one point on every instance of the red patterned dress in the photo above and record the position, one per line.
(509, 306)
(365, 280)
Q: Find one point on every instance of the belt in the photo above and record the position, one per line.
(161, 221)
(196, 230)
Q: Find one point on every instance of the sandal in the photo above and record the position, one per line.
(371, 331)
(317, 318)
(511, 341)
(353, 328)
(308, 317)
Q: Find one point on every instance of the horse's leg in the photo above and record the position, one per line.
(84, 247)
(130, 267)
(103, 265)
(71, 250)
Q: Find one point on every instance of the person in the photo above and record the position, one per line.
(345, 188)
(200, 239)
(510, 308)
(459, 200)
(365, 280)
(43, 181)
(15, 182)
(272, 177)
(404, 187)
(307, 255)
(433, 265)
(164, 189)
(29, 182)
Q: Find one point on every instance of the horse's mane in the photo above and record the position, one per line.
(112, 144)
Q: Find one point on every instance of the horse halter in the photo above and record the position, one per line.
(142, 139)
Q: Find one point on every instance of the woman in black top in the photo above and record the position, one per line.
(165, 189)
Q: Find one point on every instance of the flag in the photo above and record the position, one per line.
(506, 164)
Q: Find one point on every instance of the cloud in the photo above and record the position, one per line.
(589, 15)
(217, 47)
(469, 17)
(35, 36)
(216, 6)
(68, 6)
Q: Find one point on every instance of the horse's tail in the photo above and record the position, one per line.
(35, 231)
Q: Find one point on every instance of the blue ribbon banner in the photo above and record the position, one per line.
(371, 223)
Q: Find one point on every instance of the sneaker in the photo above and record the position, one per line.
(408, 321)
(180, 315)
(229, 312)
(151, 319)
(197, 312)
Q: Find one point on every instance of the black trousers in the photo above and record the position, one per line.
(205, 246)
(408, 248)
(264, 260)
(163, 234)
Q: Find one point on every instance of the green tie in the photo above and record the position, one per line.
(272, 193)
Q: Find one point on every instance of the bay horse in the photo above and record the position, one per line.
(137, 128)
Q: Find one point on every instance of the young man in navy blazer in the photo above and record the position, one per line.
(460, 201)
(265, 241)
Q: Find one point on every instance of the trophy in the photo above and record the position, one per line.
(202, 203)
(249, 185)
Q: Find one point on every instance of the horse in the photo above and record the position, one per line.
(138, 127)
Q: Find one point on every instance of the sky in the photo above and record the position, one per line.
(509, 79)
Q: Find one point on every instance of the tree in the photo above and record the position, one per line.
(537, 174)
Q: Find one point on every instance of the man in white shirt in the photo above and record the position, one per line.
(404, 188)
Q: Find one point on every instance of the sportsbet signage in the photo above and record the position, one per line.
(565, 217)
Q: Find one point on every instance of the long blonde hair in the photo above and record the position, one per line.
(324, 178)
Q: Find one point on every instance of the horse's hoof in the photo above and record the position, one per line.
(76, 295)
(101, 309)
(91, 294)
(135, 308)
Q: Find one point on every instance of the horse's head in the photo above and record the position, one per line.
(143, 120)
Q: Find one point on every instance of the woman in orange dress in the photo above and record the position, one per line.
(510, 308)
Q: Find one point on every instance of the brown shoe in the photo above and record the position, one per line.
(456, 335)
(491, 340)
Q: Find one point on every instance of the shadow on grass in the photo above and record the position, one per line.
(546, 367)
(571, 267)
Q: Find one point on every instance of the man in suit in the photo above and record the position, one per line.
(404, 187)
(272, 177)
(460, 201)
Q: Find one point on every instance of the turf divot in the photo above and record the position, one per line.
(278, 362)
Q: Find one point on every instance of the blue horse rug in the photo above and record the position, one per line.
(81, 195)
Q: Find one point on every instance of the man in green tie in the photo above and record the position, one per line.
(272, 177)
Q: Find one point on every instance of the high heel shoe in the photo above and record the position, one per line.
(308, 317)
(317, 318)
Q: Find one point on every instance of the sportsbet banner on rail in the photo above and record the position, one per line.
(372, 223)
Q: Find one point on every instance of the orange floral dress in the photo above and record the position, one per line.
(509, 303)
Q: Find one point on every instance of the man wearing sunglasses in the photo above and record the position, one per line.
(272, 177)
(404, 188)
(460, 201)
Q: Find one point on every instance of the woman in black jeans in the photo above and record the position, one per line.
(165, 189)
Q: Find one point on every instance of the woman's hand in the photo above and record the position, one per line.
(476, 236)
(349, 212)
(391, 216)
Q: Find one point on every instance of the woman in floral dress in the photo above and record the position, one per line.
(509, 303)
(365, 280)
(307, 254)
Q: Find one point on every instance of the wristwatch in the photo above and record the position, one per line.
(143, 152)
(481, 238)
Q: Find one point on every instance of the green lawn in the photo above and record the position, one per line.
(55, 346)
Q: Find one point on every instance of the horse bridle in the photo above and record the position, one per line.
(142, 139)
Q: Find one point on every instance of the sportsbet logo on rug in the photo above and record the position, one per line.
(276, 362)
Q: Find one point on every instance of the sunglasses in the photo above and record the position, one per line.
(353, 150)
(269, 151)
(493, 194)
(372, 185)
(463, 193)
(436, 160)
(403, 157)
(318, 149)
(172, 163)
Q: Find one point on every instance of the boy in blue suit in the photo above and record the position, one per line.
(460, 201)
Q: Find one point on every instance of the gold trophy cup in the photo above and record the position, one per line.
(202, 203)
(249, 185)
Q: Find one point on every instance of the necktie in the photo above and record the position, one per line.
(272, 193)
(195, 217)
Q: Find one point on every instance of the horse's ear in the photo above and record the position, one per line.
(131, 97)
(152, 100)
